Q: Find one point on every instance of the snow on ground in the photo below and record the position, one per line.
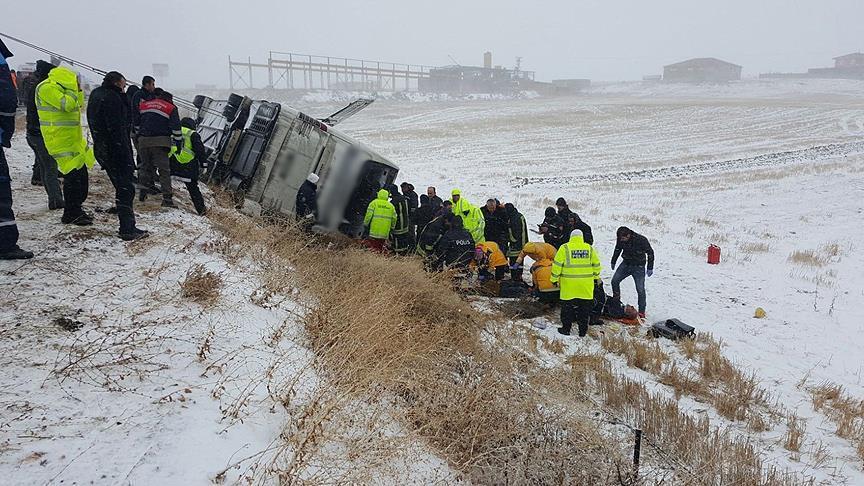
(110, 376)
(759, 214)
(584, 148)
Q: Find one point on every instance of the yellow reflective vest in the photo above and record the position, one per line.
(187, 154)
(575, 269)
(59, 103)
(380, 216)
(474, 223)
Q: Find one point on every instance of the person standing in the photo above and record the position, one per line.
(306, 204)
(575, 269)
(424, 214)
(517, 238)
(379, 221)
(413, 203)
(496, 224)
(185, 163)
(59, 101)
(573, 221)
(637, 261)
(144, 93)
(401, 237)
(45, 166)
(9, 249)
(158, 128)
(433, 197)
(552, 228)
(108, 117)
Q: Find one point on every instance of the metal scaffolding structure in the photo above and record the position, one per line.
(288, 70)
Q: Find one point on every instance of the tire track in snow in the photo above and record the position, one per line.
(776, 159)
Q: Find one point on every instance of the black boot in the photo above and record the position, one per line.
(15, 253)
(168, 203)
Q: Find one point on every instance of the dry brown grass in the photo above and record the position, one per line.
(645, 355)
(794, 436)
(395, 338)
(750, 248)
(810, 258)
(391, 339)
(845, 411)
(201, 285)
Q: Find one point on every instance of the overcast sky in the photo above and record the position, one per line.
(596, 39)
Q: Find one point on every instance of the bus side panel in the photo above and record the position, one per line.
(282, 133)
(293, 164)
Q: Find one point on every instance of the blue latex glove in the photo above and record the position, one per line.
(649, 272)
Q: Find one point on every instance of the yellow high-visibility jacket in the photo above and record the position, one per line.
(474, 223)
(380, 216)
(575, 269)
(59, 103)
(541, 271)
(495, 256)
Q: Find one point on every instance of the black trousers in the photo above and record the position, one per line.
(576, 310)
(76, 186)
(515, 274)
(8, 228)
(124, 195)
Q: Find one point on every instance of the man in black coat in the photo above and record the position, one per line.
(573, 221)
(424, 214)
(552, 228)
(108, 117)
(456, 248)
(9, 249)
(411, 197)
(638, 262)
(45, 168)
(517, 237)
(497, 224)
(307, 204)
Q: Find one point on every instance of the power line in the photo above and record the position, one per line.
(189, 105)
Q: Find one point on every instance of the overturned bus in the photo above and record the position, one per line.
(263, 152)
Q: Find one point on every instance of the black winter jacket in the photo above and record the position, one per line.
(189, 171)
(8, 102)
(456, 249)
(636, 252)
(553, 231)
(108, 117)
(497, 224)
(306, 200)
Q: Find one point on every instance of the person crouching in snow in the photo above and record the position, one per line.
(490, 261)
(185, 163)
(575, 269)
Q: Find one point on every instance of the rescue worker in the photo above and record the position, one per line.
(401, 238)
(517, 236)
(9, 249)
(552, 228)
(186, 163)
(379, 221)
(45, 167)
(157, 125)
(306, 204)
(460, 204)
(490, 261)
(496, 224)
(637, 261)
(432, 233)
(446, 208)
(411, 197)
(59, 101)
(575, 269)
(456, 249)
(543, 255)
(108, 117)
(433, 197)
(573, 221)
(474, 223)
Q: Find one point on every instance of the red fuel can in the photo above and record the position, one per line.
(714, 254)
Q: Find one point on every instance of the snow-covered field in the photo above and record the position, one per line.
(761, 169)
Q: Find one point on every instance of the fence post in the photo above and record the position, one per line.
(637, 447)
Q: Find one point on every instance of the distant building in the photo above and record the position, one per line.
(702, 70)
(850, 61)
(474, 79)
(850, 66)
